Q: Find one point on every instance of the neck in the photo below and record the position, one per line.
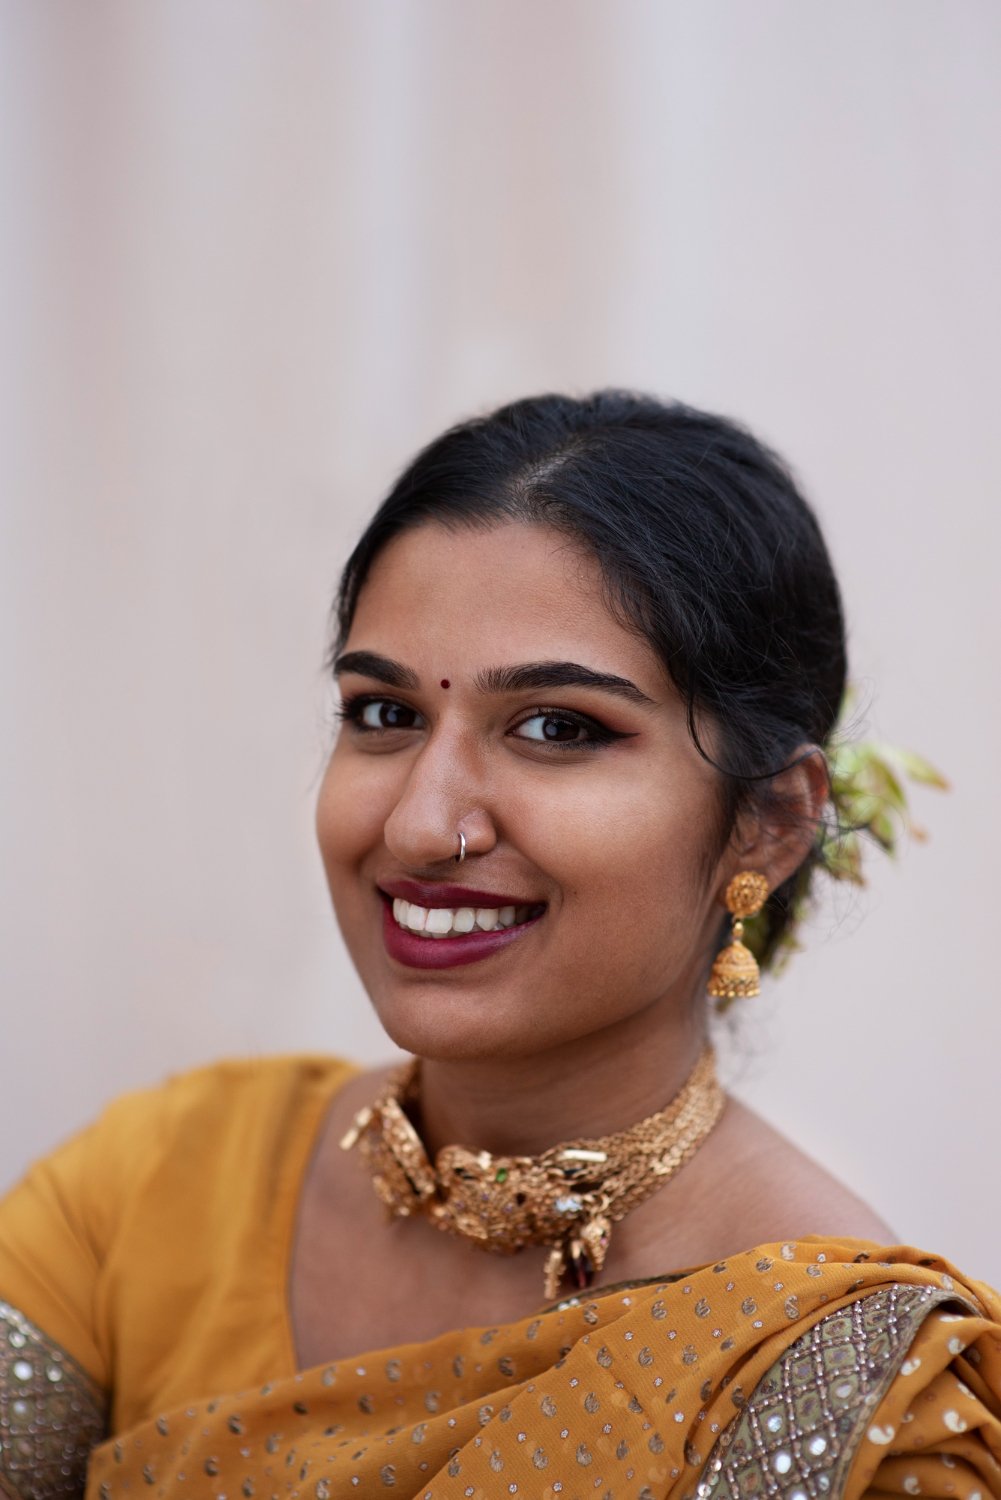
(594, 1086)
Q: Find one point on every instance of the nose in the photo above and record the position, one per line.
(445, 793)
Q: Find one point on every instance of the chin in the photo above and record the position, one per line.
(454, 1028)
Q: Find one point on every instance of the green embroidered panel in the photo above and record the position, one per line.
(801, 1426)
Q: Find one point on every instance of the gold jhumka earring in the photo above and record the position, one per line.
(735, 973)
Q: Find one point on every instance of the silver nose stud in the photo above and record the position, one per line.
(462, 849)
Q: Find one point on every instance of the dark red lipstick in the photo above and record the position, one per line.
(436, 893)
(417, 951)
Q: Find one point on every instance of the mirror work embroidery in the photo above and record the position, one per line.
(802, 1424)
(51, 1414)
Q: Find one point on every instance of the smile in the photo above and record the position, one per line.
(447, 921)
(427, 935)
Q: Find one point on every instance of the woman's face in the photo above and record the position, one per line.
(488, 689)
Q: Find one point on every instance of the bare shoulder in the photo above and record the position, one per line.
(774, 1190)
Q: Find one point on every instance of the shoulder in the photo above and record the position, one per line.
(236, 1109)
(221, 1093)
(232, 1107)
(249, 1083)
(775, 1191)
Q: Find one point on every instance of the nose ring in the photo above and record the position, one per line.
(462, 848)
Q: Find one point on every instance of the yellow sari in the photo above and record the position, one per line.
(798, 1369)
(817, 1368)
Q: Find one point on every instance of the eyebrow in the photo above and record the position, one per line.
(538, 675)
(382, 668)
(533, 676)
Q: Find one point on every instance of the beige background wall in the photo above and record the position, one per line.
(250, 255)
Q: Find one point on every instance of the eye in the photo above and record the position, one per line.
(560, 727)
(368, 714)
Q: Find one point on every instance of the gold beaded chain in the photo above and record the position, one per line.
(568, 1198)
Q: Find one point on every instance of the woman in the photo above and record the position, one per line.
(591, 654)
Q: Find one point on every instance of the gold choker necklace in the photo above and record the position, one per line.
(568, 1198)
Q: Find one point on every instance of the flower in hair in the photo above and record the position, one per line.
(868, 800)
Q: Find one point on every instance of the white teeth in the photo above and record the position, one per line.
(443, 921)
(408, 915)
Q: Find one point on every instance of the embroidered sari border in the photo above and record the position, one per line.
(805, 1419)
(51, 1414)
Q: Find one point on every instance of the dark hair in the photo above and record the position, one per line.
(706, 547)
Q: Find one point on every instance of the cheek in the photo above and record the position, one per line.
(349, 818)
(632, 846)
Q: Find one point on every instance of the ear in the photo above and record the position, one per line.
(776, 838)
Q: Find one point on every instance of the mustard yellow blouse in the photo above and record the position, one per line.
(154, 1246)
(146, 1347)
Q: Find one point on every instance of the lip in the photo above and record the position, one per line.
(430, 894)
(447, 952)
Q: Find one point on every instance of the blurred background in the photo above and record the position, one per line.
(254, 252)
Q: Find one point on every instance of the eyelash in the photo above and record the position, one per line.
(352, 708)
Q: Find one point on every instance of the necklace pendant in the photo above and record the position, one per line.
(581, 1266)
(554, 1273)
(596, 1235)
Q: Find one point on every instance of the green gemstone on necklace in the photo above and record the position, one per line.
(501, 1175)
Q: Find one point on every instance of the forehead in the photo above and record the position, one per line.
(511, 592)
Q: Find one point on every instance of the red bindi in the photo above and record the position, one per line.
(445, 682)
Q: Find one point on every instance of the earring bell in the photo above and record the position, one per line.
(735, 974)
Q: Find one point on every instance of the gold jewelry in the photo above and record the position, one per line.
(735, 973)
(568, 1198)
